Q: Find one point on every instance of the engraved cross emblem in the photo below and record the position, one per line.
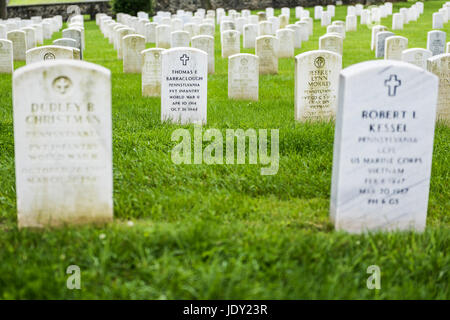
(184, 58)
(62, 84)
(392, 83)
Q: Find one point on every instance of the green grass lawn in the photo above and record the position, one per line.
(224, 231)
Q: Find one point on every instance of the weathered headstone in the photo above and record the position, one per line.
(206, 29)
(284, 21)
(250, 34)
(65, 42)
(265, 28)
(285, 43)
(39, 33)
(240, 22)
(3, 31)
(63, 143)
(19, 41)
(351, 11)
(351, 23)
(417, 56)
(380, 43)
(394, 47)
(227, 25)
(177, 24)
(47, 30)
(325, 19)
(163, 36)
(184, 85)
(30, 35)
(267, 51)
(76, 34)
(436, 41)
(243, 77)
(331, 9)
(231, 43)
(336, 29)
(365, 17)
(440, 66)
(262, 16)
(192, 29)
(133, 45)
(310, 23)
(438, 20)
(206, 43)
(297, 35)
(6, 56)
(151, 72)
(150, 32)
(383, 147)
(48, 53)
(179, 39)
(397, 21)
(316, 84)
(121, 33)
(304, 30)
(275, 21)
(318, 12)
(331, 42)
(375, 30)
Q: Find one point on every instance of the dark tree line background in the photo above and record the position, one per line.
(3, 9)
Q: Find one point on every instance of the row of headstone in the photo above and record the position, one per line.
(26, 34)
(71, 46)
(371, 128)
(382, 148)
(441, 17)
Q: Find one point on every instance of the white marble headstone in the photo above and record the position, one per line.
(436, 41)
(440, 66)
(179, 39)
(150, 32)
(231, 43)
(6, 56)
(206, 43)
(297, 36)
(351, 23)
(375, 30)
(331, 42)
(250, 34)
(184, 85)
(49, 53)
(316, 84)
(394, 47)
(417, 56)
(285, 43)
(133, 45)
(206, 29)
(163, 36)
(383, 147)
(63, 143)
(380, 43)
(151, 72)
(76, 34)
(265, 28)
(438, 20)
(397, 21)
(267, 51)
(243, 77)
(19, 41)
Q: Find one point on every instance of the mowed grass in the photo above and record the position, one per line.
(224, 231)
